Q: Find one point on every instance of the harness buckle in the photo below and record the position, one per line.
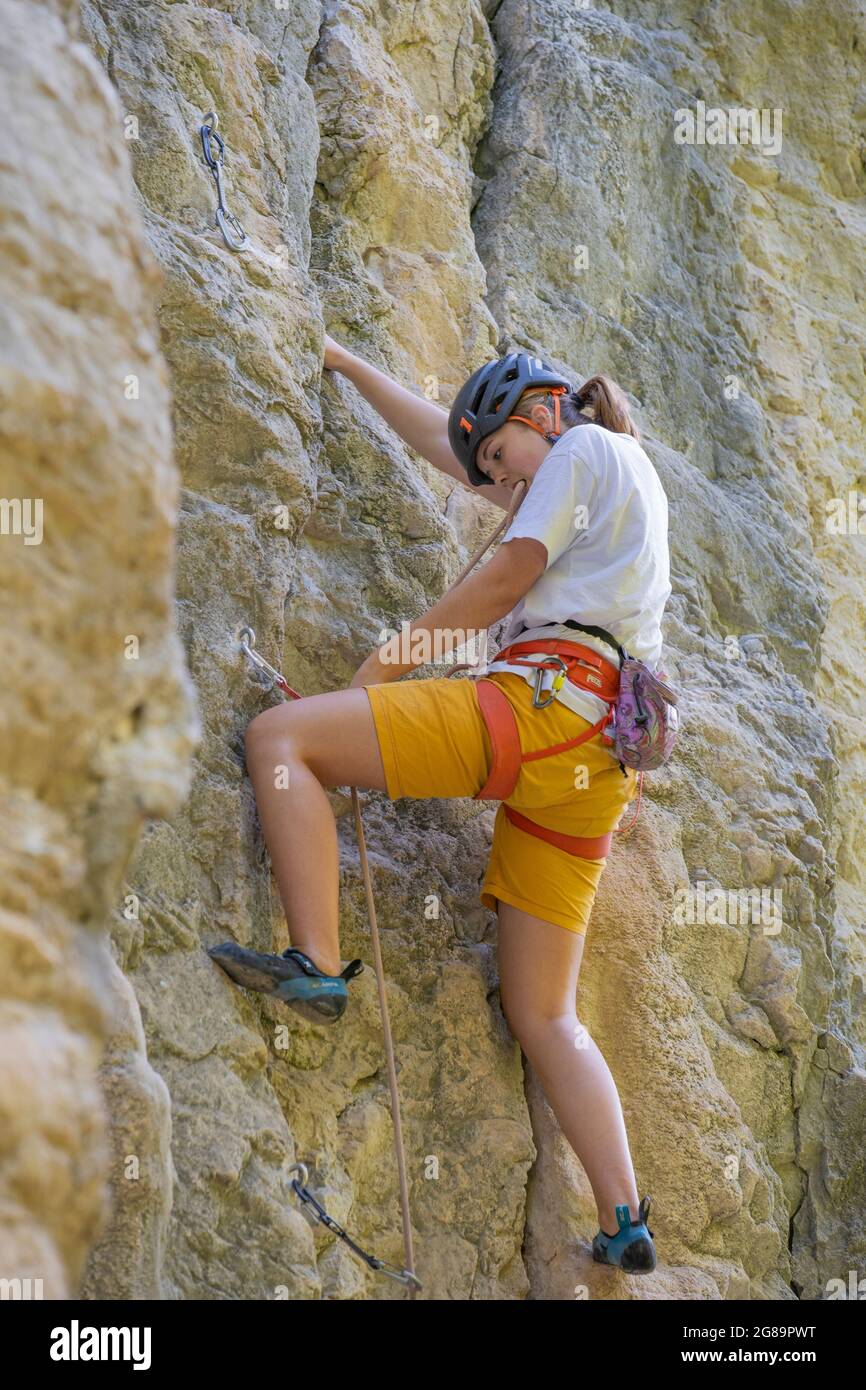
(558, 681)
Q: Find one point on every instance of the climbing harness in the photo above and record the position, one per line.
(407, 1275)
(583, 668)
(233, 233)
(299, 1187)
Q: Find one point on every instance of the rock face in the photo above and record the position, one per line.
(434, 184)
(99, 713)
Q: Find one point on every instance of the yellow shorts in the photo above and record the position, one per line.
(434, 743)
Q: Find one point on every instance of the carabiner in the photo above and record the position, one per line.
(238, 241)
(247, 637)
(558, 681)
(209, 134)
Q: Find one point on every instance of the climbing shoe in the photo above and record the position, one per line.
(631, 1249)
(292, 977)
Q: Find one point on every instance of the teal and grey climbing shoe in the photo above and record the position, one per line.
(291, 977)
(631, 1249)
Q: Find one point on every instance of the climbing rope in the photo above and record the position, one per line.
(516, 496)
(233, 233)
(407, 1275)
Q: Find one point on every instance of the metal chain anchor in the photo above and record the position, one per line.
(233, 233)
(299, 1187)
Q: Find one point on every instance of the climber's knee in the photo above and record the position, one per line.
(537, 1030)
(332, 734)
(272, 726)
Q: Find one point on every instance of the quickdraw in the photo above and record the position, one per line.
(406, 1276)
(299, 1187)
(247, 637)
(233, 233)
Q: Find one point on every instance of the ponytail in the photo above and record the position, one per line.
(600, 395)
(606, 400)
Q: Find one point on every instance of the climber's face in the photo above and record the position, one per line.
(515, 451)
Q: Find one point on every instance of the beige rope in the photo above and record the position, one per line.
(516, 496)
(408, 1254)
(516, 499)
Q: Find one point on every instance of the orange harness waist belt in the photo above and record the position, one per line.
(601, 679)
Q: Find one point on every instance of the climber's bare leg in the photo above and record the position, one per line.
(539, 963)
(294, 751)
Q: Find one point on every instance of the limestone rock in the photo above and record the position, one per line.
(99, 714)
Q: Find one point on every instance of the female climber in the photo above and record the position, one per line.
(583, 572)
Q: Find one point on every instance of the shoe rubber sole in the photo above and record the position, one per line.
(317, 997)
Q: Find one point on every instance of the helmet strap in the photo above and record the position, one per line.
(550, 436)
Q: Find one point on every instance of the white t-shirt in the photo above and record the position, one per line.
(598, 506)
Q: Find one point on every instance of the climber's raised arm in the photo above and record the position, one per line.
(480, 600)
(420, 423)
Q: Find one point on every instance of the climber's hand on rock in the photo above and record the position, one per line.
(335, 355)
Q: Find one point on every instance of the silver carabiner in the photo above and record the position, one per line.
(247, 638)
(225, 218)
(208, 132)
(539, 678)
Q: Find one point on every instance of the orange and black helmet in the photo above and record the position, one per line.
(488, 398)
